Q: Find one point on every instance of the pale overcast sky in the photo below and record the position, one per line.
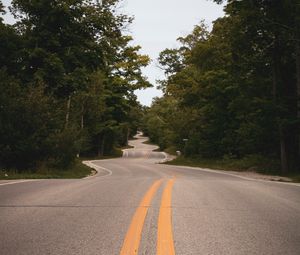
(156, 26)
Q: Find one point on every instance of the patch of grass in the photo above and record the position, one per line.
(76, 171)
(197, 162)
(255, 163)
(149, 142)
(171, 150)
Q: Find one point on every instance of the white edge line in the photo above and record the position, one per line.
(165, 159)
(125, 153)
(234, 175)
(16, 182)
(166, 156)
(97, 168)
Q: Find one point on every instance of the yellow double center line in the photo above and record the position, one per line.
(165, 244)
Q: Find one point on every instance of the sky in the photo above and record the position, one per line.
(157, 25)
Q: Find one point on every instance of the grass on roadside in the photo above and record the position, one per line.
(149, 142)
(170, 150)
(76, 171)
(254, 163)
(250, 163)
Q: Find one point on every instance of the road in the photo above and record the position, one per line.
(135, 206)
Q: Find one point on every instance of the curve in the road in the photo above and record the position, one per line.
(202, 212)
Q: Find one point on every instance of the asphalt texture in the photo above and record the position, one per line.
(212, 212)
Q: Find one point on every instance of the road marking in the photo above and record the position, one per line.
(97, 168)
(165, 159)
(165, 243)
(9, 183)
(134, 233)
(222, 172)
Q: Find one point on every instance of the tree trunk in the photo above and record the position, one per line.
(82, 117)
(127, 137)
(283, 151)
(297, 44)
(68, 112)
(101, 147)
(276, 83)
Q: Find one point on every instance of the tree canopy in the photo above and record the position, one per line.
(68, 72)
(235, 88)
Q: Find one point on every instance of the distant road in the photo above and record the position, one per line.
(135, 206)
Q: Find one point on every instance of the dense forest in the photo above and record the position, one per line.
(67, 76)
(68, 72)
(234, 91)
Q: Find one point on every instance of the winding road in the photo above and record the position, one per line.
(136, 206)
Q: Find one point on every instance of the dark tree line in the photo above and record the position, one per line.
(67, 77)
(234, 91)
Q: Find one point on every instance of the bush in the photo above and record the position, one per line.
(27, 116)
(64, 146)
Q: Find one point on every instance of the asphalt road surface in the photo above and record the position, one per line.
(135, 206)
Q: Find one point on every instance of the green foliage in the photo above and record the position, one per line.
(63, 148)
(233, 90)
(27, 119)
(68, 76)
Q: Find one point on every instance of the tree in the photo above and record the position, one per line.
(238, 83)
(73, 61)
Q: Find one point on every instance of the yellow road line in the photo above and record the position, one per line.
(165, 243)
(134, 233)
